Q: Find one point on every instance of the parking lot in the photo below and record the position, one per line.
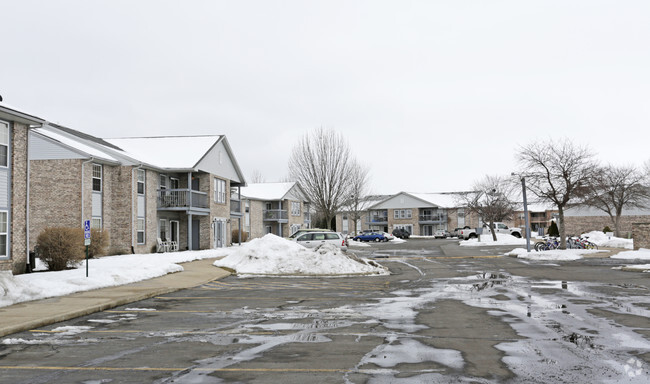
(445, 314)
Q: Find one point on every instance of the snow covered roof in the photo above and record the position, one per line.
(267, 191)
(12, 113)
(439, 199)
(170, 152)
(80, 146)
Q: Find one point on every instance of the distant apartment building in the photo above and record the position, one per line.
(277, 208)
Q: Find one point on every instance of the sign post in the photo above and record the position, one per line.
(87, 241)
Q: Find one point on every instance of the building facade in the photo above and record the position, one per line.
(141, 191)
(277, 208)
(14, 194)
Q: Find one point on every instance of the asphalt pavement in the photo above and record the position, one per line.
(38, 313)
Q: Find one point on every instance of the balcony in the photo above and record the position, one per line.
(235, 207)
(278, 215)
(431, 219)
(194, 202)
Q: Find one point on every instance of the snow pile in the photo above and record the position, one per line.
(602, 240)
(486, 239)
(274, 255)
(641, 254)
(551, 255)
(638, 267)
(103, 272)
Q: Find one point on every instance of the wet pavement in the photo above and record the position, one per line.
(445, 314)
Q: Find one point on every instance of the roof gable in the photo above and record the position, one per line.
(273, 191)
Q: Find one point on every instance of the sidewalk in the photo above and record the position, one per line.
(34, 314)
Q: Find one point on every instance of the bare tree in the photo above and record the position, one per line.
(256, 177)
(492, 200)
(358, 179)
(558, 172)
(615, 188)
(321, 163)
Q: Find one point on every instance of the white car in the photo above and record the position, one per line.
(388, 236)
(316, 239)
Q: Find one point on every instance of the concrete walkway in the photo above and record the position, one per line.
(34, 314)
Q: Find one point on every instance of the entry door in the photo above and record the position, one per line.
(196, 228)
(173, 229)
(219, 233)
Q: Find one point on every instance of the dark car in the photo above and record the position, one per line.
(401, 233)
(373, 236)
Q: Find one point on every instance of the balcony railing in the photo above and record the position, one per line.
(378, 219)
(182, 198)
(276, 215)
(433, 218)
(235, 207)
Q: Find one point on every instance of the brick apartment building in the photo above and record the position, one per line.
(179, 191)
(278, 208)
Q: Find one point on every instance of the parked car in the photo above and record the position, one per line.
(401, 233)
(498, 228)
(308, 230)
(388, 236)
(441, 234)
(316, 239)
(373, 236)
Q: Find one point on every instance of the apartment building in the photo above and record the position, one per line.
(277, 208)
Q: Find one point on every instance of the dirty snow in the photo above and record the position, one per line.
(641, 254)
(273, 255)
(552, 255)
(486, 239)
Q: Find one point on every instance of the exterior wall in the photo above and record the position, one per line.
(217, 210)
(18, 229)
(258, 227)
(641, 235)
(413, 221)
(294, 220)
(54, 201)
(580, 224)
(116, 210)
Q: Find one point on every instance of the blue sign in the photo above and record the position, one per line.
(87, 229)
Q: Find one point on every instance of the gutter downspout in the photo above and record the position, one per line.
(27, 212)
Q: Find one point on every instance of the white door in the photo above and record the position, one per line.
(219, 233)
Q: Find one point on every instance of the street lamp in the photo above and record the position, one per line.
(523, 190)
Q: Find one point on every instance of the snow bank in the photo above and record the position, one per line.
(552, 255)
(103, 272)
(274, 255)
(638, 267)
(641, 254)
(486, 239)
(602, 240)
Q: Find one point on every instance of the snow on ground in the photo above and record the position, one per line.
(602, 240)
(274, 255)
(486, 239)
(552, 255)
(638, 267)
(641, 254)
(102, 272)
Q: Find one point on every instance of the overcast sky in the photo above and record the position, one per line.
(432, 95)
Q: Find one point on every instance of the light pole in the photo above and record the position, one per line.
(527, 228)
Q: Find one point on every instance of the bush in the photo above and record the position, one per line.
(606, 229)
(235, 236)
(98, 242)
(60, 247)
(553, 230)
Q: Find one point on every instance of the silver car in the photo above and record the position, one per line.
(316, 239)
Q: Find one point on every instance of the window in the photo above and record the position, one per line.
(97, 178)
(295, 208)
(403, 213)
(3, 233)
(163, 230)
(163, 181)
(141, 180)
(295, 228)
(140, 230)
(4, 144)
(96, 223)
(219, 191)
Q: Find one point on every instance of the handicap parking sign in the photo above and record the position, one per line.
(87, 229)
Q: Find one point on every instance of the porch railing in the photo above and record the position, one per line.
(235, 206)
(433, 218)
(182, 198)
(276, 214)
